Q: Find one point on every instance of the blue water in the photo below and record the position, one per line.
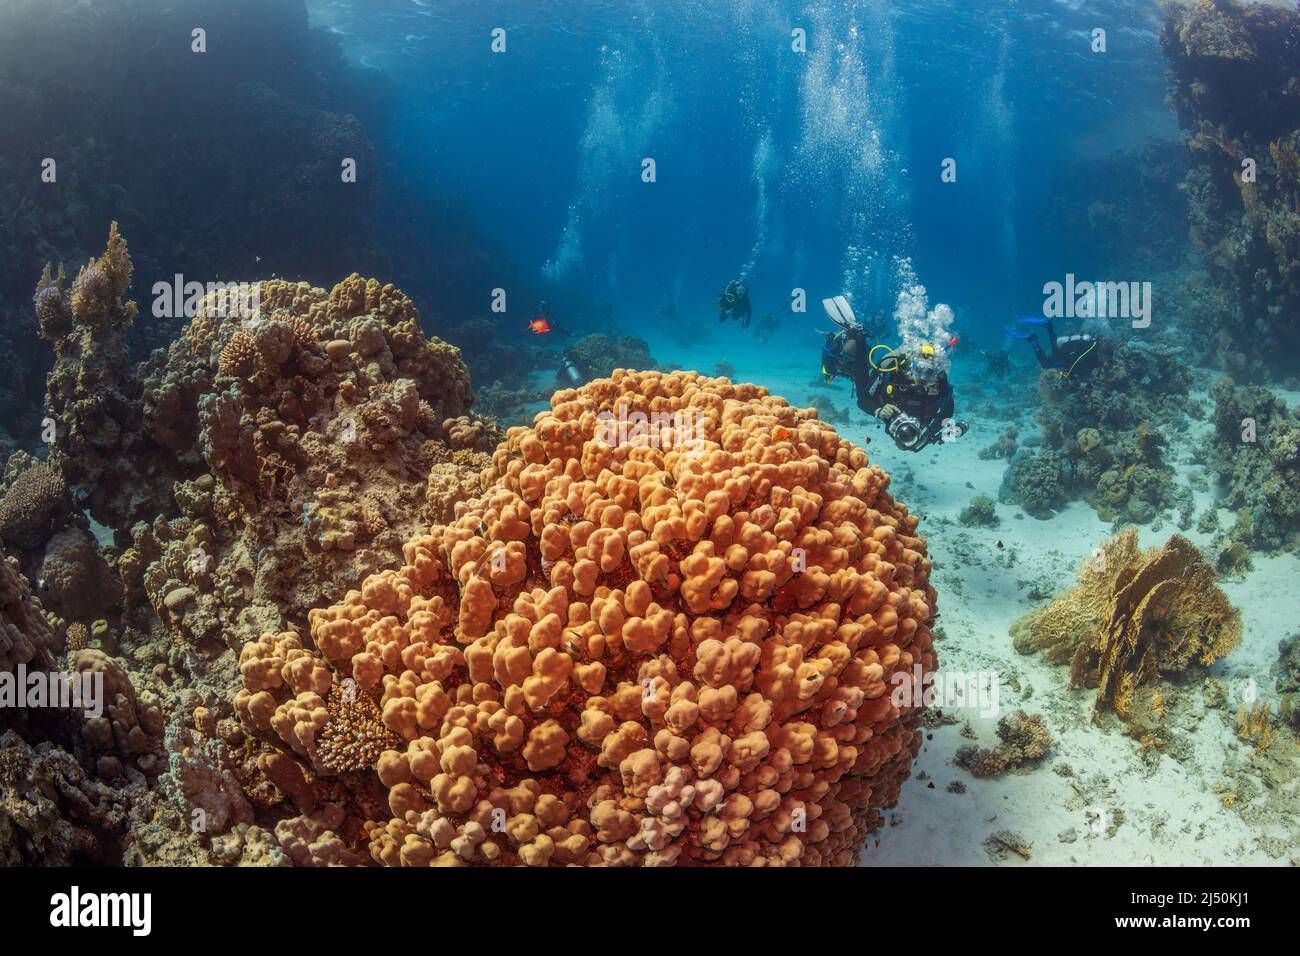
(813, 170)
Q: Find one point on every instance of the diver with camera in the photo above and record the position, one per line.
(908, 391)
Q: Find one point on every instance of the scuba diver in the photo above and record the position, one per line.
(1068, 352)
(908, 391)
(733, 303)
(766, 328)
(997, 363)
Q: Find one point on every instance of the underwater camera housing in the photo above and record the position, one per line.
(905, 430)
(569, 375)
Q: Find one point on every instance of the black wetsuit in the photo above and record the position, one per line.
(1068, 352)
(931, 405)
(738, 307)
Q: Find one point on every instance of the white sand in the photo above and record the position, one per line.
(1154, 810)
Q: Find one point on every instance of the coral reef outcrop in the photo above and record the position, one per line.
(282, 448)
(598, 354)
(630, 650)
(1255, 453)
(330, 429)
(1022, 740)
(1287, 681)
(92, 400)
(25, 635)
(1103, 436)
(68, 776)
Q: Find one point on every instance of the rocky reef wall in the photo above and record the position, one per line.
(265, 460)
(1234, 81)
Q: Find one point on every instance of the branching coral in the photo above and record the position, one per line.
(633, 652)
(1134, 617)
(354, 736)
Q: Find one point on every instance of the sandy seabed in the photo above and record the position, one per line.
(1096, 799)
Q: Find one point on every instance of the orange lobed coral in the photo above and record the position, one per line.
(677, 648)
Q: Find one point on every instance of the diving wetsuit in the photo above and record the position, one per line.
(1068, 352)
(914, 408)
(733, 303)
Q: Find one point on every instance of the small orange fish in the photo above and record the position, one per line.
(539, 325)
(781, 433)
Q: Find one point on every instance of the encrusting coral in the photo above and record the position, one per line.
(677, 648)
(1134, 617)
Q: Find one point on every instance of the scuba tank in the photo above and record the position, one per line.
(569, 375)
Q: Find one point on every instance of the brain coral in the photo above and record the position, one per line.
(676, 648)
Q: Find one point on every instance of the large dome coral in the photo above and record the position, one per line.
(651, 642)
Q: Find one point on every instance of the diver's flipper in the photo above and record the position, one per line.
(1033, 320)
(1012, 333)
(841, 313)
